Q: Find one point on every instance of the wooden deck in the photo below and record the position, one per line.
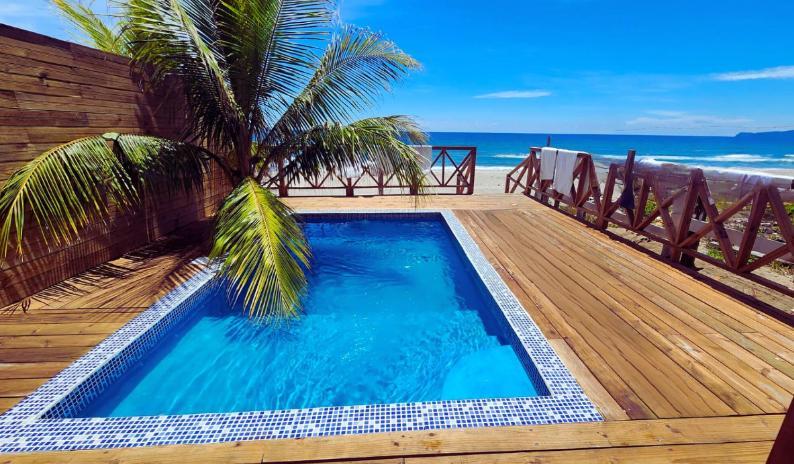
(679, 370)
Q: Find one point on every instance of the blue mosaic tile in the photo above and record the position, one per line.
(43, 420)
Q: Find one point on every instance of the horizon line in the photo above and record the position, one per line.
(602, 133)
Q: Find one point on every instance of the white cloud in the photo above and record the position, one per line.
(516, 94)
(684, 120)
(779, 72)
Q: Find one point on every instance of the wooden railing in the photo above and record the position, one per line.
(676, 212)
(451, 171)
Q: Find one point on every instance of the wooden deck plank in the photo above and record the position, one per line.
(784, 352)
(757, 364)
(514, 439)
(606, 436)
(47, 341)
(19, 387)
(599, 285)
(35, 321)
(712, 369)
(681, 283)
(31, 370)
(606, 405)
(729, 453)
(75, 328)
(62, 353)
(475, 202)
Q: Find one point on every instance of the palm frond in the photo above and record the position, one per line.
(271, 48)
(374, 142)
(65, 188)
(98, 33)
(70, 186)
(261, 250)
(162, 163)
(179, 39)
(358, 65)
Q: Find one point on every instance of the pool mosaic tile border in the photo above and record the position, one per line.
(38, 424)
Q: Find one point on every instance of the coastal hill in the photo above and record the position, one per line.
(781, 136)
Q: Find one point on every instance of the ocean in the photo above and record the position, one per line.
(736, 153)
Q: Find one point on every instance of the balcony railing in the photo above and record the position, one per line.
(450, 171)
(678, 210)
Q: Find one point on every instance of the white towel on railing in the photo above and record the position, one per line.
(563, 171)
(548, 159)
(426, 156)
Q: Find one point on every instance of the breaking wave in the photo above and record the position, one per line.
(511, 155)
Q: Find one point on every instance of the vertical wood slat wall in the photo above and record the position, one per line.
(52, 91)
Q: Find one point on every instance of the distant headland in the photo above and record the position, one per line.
(782, 136)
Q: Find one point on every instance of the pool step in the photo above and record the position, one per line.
(491, 373)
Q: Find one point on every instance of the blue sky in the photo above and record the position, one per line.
(574, 66)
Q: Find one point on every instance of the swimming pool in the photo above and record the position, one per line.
(405, 327)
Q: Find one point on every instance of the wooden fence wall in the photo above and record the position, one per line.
(53, 91)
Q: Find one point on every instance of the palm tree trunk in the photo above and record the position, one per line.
(244, 154)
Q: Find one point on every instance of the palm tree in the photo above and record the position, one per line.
(267, 83)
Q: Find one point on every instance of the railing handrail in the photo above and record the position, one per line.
(680, 231)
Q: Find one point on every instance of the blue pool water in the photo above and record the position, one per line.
(393, 313)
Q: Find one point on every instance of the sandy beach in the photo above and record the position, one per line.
(488, 181)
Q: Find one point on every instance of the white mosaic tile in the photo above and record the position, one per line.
(42, 421)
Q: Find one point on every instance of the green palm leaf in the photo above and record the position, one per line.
(357, 66)
(71, 186)
(162, 163)
(97, 32)
(271, 48)
(65, 188)
(261, 250)
(373, 142)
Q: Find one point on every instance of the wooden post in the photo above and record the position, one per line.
(783, 449)
(628, 187)
(349, 187)
(443, 167)
(380, 183)
(639, 210)
(530, 173)
(606, 203)
(753, 224)
(473, 166)
(628, 166)
(690, 200)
